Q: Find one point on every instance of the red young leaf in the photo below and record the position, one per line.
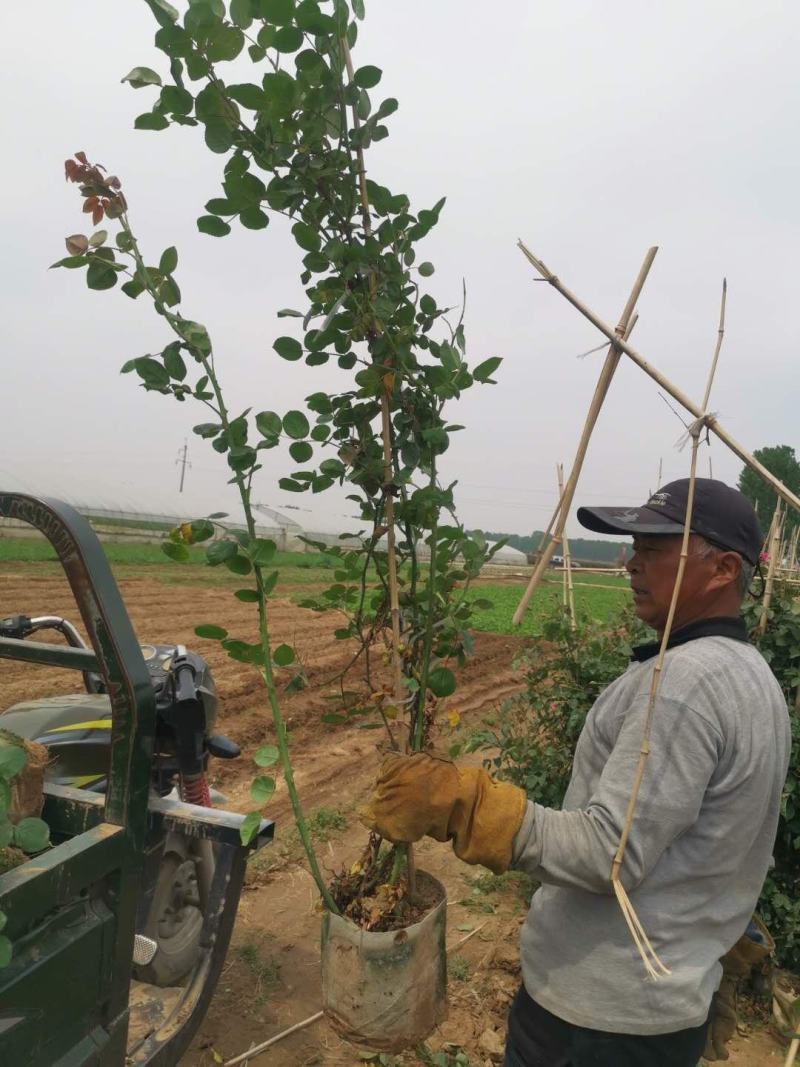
(77, 244)
(89, 204)
(81, 156)
(97, 214)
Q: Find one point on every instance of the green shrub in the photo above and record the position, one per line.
(536, 731)
(780, 898)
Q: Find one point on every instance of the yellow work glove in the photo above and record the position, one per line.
(736, 967)
(421, 795)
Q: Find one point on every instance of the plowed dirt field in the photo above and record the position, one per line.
(271, 978)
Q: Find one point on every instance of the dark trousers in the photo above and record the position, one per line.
(538, 1039)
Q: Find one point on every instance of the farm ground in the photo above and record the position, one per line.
(271, 978)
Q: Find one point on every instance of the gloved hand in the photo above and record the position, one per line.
(737, 964)
(421, 795)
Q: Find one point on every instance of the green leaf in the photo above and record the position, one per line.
(261, 789)
(334, 468)
(426, 269)
(301, 451)
(288, 39)
(71, 262)
(262, 551)
(224, 43)
(176, 101)
(278, 12)
(168, 261)
(150, 120)
(291, 486)
(6, 951)
(205, 430)
(283, 655)
(32, 835)
(484, 371)
(6, 837)
(5, 796)
(266, 756)
(249, 827)
(218, 135)
(238, 564)
(269, 583)
(442, 682)
(139, 77)
(219, 206)
(180, 553)
(248, 95)
(333, 719)
(132, 288)
(220, 551)
(12, 759)
(295, 424)
(152, 373)
(201, 530)
(164, 12)
(100, 275)
(173, 361)
(268, 423)
(247, 596)
(212, 225)
(253, 218)
(241, 13)
(215, 633)
(307, 237)
(367, 77)
(289, 348)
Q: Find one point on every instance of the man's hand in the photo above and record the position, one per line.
(736, 967)
(421, 795)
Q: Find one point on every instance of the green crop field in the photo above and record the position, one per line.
(598, 604)
(598, 596)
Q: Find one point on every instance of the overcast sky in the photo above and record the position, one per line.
(591, 130)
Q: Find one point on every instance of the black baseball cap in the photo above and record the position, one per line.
(722, 515)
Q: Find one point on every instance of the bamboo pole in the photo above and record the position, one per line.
(569, 595)
(601, 389)
(791, 1055)
(774, 552)
(258, 1049)
(710, 421)
(650, 958)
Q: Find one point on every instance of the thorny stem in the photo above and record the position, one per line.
(419, 718)
(281, 734)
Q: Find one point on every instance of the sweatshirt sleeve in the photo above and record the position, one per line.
(575, 849)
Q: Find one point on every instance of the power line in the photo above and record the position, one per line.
(182, 462)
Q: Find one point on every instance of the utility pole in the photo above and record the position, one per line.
(182, 462)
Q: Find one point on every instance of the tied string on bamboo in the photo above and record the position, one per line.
(653, 964)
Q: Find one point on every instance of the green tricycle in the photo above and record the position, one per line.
(120, 929)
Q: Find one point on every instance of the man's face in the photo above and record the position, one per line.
(708, 587)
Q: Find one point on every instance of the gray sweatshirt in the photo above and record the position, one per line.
(698, 851)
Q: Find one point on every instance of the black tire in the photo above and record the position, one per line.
(175, 921)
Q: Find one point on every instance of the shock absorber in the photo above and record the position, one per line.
(193, 789)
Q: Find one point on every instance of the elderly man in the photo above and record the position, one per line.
(705, 821)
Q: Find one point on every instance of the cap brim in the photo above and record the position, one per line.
(627, 521)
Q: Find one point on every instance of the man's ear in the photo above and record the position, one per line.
(727, 568)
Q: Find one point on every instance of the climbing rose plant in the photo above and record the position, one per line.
(293, 141)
